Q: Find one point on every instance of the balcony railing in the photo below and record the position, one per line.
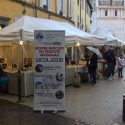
(111, 3)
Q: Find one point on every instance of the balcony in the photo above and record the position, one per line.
(111, 3)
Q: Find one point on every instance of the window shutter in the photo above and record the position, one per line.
(43, 2)
(40, 3)
(70, 8)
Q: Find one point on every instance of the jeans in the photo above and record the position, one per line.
(113, 68)
(110, 69)
(93, 77)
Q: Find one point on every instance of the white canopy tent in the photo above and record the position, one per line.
(23, 29)
(111, 40)
(28, 24)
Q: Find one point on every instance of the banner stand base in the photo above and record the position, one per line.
(48, 111)
(51, 111)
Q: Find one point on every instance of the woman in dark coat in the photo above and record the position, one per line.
(92, 66)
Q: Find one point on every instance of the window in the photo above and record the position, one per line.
(45, 4)
(70, 8)
(58, 3)
(4, 21)
(30, 1)
(64, 7)
(82, 4)
(88, 11)
(61, 7)
(115, 12)
(106, 13)
(111, 2)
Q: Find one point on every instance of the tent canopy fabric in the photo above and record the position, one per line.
(111, 40)
(28, 24)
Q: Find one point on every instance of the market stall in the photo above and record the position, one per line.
(27, 82)
(23, 30)
(12, 55)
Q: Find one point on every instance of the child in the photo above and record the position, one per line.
(121, 64)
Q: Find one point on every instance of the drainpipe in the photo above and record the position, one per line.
(85, 16)
(55, 6)
(67, 8)
(24, 9)
(36, 8)
(80, 13)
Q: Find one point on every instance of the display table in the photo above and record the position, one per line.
(70, 71)
(27, 79)
(13, 81)
(27, 82)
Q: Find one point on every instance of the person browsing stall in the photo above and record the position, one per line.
(92, 66)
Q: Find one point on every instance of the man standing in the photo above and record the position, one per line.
(111, 62)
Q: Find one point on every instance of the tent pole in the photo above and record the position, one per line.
(21, 38)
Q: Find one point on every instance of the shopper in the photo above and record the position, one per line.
(113, 65)
(66, 59)
(111, 62)
(121, 64)
(92, 66)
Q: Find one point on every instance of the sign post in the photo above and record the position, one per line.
(49, 76)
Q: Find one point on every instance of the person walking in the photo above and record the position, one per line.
(121, 64)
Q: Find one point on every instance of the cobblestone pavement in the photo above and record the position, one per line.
(15, 114)
(100, 104)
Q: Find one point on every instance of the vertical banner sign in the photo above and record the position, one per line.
(49, 76)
